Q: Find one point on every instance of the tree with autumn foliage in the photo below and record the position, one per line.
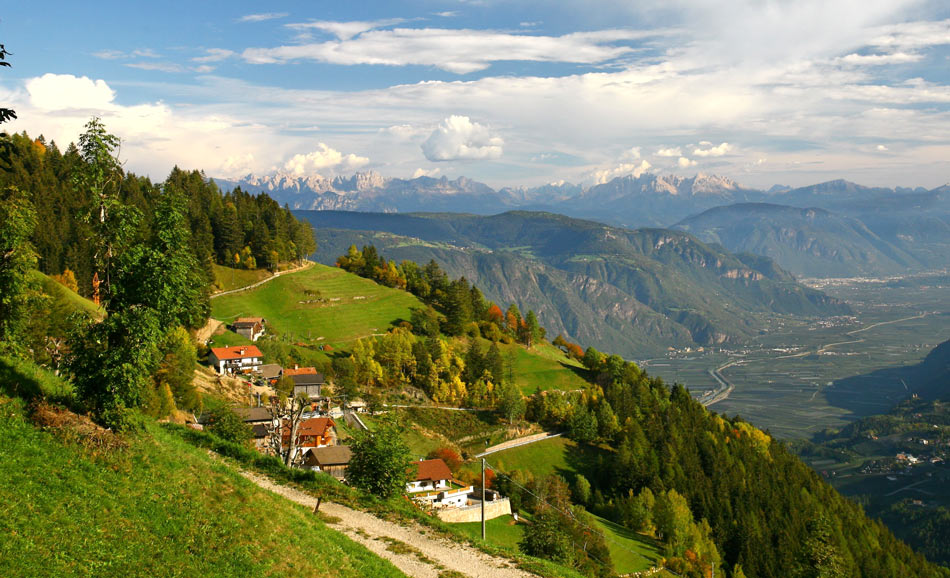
(447, 455)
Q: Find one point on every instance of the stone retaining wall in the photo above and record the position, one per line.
(474, 513)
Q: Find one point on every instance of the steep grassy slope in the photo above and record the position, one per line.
(320, 302)
(156, 507)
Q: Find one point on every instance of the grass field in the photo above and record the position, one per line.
(158, 507)
(799, 392)
(320, 305)
(629, 551)
(550, 456)
(72, 301)
(226, 278)
(543, 367)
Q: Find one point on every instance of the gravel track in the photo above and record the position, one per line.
(426, 556)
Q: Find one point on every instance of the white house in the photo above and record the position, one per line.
(428, 475)
(236, 359)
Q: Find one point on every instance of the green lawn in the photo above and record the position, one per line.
(543, 367)
(159, 507)
(320, 305)
(541, 458)
(70, 300)
(226, 278)
(629, 551)
(501, 531)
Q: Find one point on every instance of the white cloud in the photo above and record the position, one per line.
(912, 35)
(685, 163)
(214, 55)
(109, 54)
(601, 176)
(458, 51)
(633, 153)
(669, 152)
(405, 132)
(67, 92)
(237, 165)
(716, 151)
(345, 30)
(145, 53)
(420, 172)
(458, 138)
(262, 17)
(159, 66)
(324, 158)
(855, 59)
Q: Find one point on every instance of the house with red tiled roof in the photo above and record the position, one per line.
(315, 432)
(431, 484)
(426, 475)
(235, 358)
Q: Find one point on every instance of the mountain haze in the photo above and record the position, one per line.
(808, 242)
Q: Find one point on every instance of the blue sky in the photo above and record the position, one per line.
(509, 93)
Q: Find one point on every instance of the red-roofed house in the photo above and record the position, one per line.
(429, 475)
(315, 432)
(235, 359)
(431, 484)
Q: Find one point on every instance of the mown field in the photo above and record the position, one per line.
(320, 305)
(226, 278)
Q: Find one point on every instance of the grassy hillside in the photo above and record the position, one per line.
(61, 295)
(146, 506)
(320, 305)
(226, 278)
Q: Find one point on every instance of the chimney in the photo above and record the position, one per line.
(296, 366)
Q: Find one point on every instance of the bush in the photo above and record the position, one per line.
(380, 463)
(229, 426)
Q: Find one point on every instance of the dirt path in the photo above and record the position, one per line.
(306, 265)
(517, 442)
(205, 333)
(410, 548)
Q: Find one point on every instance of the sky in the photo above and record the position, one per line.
(510, 93)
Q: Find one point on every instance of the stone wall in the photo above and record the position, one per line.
(474, 513)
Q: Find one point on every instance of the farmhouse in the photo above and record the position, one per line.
(307, 381)
(332, 460)
(250, 327)
(315, 432)
(271, 372)
(431, 484)
(236, 359)
(428, 475)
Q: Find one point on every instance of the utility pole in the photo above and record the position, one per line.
(483, 498)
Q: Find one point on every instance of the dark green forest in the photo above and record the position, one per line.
(235, 229)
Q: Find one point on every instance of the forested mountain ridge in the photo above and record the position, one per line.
(809, 242)
(236, 229)
(631, 291)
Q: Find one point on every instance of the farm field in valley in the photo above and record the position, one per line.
(790, 379)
